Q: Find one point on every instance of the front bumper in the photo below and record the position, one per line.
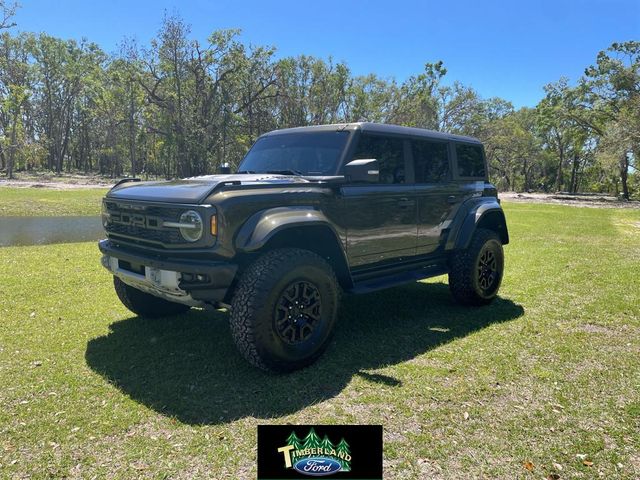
(189, 281)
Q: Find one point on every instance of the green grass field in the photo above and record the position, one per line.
(544, 383)
(31, 202)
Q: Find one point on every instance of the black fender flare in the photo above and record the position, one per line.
(478, 211)
(263, 225)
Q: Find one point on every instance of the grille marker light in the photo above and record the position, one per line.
(214, 225)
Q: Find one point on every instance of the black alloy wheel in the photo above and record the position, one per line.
(487, 269)
(298, 311)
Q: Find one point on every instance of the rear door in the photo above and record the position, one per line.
(437, 194)
(381, 218)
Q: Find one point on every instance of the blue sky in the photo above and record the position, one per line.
(509, 49)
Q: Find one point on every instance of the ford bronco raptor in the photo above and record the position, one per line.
(310, 213)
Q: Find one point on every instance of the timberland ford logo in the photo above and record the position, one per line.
(316, 456)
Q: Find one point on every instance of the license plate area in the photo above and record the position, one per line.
(137, 268)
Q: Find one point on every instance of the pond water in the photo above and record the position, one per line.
(20, 231)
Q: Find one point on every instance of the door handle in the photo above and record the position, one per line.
(451, 199)
(406, 202)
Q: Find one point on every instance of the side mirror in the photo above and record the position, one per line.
(224, 169)
(365, 170)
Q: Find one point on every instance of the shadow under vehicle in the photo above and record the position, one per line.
(186, 367)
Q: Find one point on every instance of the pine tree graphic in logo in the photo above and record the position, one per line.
(312, 440)
(316, 456)
(326, 444)
(343, 452)
(295, 441)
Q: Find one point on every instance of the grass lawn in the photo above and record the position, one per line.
(548, 377)
(26, 201)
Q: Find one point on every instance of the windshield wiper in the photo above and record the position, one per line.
(286, 172)
(242, 172)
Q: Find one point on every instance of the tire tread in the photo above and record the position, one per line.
(254, 287)
(462, 264)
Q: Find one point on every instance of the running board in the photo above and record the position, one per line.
(387, 281)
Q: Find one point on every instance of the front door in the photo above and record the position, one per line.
(381, 218)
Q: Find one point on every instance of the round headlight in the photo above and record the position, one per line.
(191, 229)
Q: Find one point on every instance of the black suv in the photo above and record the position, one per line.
(311, 212)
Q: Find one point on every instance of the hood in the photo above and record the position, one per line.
(195, 189)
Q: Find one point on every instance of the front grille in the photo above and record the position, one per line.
(160, 236)
(143, 223)
(167, 212)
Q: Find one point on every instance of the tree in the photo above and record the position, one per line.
(15, 90)
(7, 12)
(514, 150)
(565, 129)
(310, 91)
(205, 99)
(416, 100)
(63, 71)
(369, 99)
(613, 87)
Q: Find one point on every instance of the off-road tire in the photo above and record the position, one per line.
(144, 304)
(465, 268)
(257, 303)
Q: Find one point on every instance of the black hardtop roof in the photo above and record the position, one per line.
(377, 128)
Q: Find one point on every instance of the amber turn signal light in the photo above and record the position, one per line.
(214, 225)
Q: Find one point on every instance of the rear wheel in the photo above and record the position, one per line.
(144, 304)
(476, 273)
(284, 309)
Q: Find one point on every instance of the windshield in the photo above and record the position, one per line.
(316, 153)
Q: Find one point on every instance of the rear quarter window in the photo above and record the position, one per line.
(470, 160)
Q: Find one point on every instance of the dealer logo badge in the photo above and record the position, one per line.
(316, 456)
(331, 452)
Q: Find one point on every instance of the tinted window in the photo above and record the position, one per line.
(313, 153)
(388, 151)
(470, 162)
(431, 161)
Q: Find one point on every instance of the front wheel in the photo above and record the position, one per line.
(476, 273)
(284, 309)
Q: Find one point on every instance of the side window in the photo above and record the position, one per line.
(470, 162)
(388, 151)
(431, 161)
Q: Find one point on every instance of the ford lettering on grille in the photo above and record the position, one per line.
(136, 220)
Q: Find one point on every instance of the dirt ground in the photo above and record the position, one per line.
(69, 182)
(65, 182)
(577, 200)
